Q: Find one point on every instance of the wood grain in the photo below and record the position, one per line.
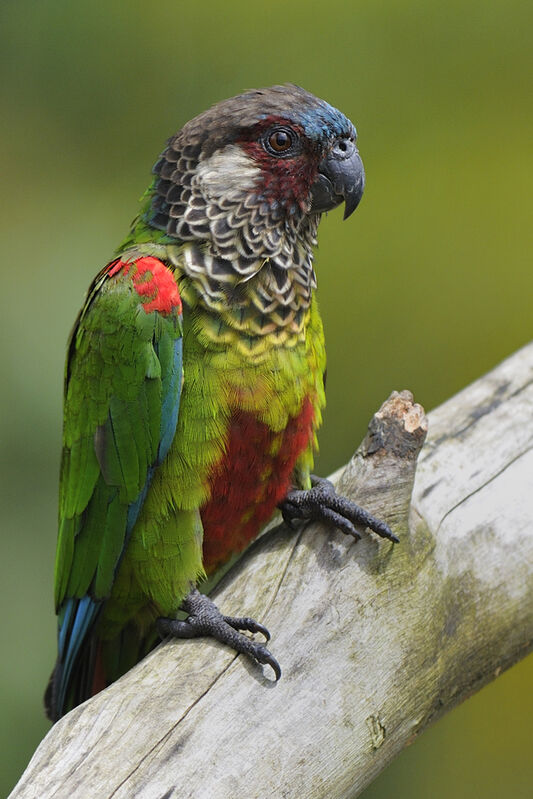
(375, 640)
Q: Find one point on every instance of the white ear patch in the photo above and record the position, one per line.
(226, 171)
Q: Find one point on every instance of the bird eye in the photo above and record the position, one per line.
(279, 141)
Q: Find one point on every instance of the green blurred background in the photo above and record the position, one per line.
(427, 286)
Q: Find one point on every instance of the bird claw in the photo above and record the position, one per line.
(205, 619)
(248, 624)
(321, 502)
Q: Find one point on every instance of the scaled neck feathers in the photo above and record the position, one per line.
(245, 257)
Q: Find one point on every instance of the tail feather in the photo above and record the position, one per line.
(50, 695)
(96, 665)
(67, 690)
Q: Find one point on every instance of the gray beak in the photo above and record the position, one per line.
(341, 178)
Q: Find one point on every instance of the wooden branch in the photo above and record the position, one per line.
(375, 640)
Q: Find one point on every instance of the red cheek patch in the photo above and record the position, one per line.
(286, 180)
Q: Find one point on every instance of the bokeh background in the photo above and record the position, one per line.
(426, 287)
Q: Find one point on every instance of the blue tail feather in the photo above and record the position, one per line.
(85, 611)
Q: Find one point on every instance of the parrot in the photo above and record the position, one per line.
(194, 386)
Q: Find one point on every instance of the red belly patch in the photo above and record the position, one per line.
(251, 479)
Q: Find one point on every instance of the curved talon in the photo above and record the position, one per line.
(205, 619)
(289, 522)
(290, 513)
(265, 658)
(322, 502)
(248, 624)
(341, 522)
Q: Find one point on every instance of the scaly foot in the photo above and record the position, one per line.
(321, 502)
(206, 619)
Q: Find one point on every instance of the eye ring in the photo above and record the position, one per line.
(279, 141)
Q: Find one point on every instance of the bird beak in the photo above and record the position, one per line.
(341, 178)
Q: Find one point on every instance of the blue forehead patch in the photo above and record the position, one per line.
(324, 121)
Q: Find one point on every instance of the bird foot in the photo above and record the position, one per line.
(322, 503)
(205, 619)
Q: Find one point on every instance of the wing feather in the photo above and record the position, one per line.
(122, 392)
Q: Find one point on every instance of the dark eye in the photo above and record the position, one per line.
(280, 141)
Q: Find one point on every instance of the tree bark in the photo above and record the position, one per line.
(375, 640)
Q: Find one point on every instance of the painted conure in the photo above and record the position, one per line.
(194, 385)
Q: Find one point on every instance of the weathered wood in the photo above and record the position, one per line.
(375, 640)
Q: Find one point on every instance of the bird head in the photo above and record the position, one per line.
(251, 176)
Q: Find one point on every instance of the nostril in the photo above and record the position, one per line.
(343, 148)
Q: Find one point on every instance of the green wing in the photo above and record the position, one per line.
(122, 391)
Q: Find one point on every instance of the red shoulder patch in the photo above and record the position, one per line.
(153, 282)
